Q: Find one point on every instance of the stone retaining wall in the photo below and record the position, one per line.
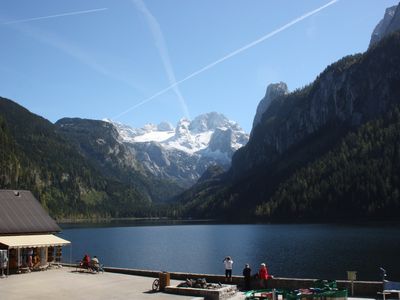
(361, 288)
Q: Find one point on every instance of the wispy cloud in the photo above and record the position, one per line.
(163, 50)
(230, 55)
(55, 40)
(73, 13)
(68, 47)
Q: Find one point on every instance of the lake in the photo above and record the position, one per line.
(323, 251)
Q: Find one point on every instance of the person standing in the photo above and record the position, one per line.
(30, 258)
(228, 263)
(247, 277)
(263, 275)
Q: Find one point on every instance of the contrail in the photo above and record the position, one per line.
(163, 50)
(234, 53)
(80, 12)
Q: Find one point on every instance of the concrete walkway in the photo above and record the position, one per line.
(66, 283)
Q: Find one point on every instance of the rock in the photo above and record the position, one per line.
(165, 126)
(389, 24)
(350, 92)
(274, 91)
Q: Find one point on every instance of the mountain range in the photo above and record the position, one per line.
(328, 151)
(183, 153)
(325, 152)
(84, 168)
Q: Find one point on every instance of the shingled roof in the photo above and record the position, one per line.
(21, 213)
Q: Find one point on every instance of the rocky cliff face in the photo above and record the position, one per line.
(167, 164)
(389, 24)
(271, 176)
(351, 91)
(274, 91)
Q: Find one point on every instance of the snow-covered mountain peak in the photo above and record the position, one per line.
(209, 122)
(185, 152)
(182, 140)
(182, 128)
(188, 136)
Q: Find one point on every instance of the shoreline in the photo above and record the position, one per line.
(128, 219)
(166, 220)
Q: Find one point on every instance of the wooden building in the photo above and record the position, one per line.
(27, 239)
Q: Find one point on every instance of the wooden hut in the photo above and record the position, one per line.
(27, 239)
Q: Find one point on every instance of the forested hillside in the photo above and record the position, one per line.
(327, 151)
(360, 179)
(34, 157)
(98, 142)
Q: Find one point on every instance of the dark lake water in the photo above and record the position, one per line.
(307, 251)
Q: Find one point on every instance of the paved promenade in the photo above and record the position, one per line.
(65, 283)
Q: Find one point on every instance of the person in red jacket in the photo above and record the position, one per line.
(85, 261)
(263, 275)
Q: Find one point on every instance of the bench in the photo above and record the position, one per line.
(390, 287)
(81, 267)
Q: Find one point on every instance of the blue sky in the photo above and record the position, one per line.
(102, 58)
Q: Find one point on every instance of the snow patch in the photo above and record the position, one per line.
(188, 136)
